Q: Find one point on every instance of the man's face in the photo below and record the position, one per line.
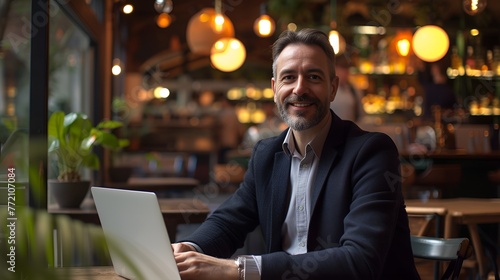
(302, 87)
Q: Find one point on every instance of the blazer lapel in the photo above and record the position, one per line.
(324, 167)
(327, 157)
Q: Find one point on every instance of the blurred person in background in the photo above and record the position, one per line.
(347, 103)
(437, 89)
(230, 129)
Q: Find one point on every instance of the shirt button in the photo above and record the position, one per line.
(302, 244)
(304, 165)
(301, 207)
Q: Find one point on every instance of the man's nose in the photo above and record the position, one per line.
(300, 86)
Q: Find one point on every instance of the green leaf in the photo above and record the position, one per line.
(109, 125)
(108, 140)
(88, 142)
(53, 145)
(56, 125)
(123, 143)
(91, 161)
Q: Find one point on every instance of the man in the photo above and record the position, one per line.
(325, 193)
(347, 104)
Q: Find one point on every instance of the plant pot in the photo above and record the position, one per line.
(68, 194)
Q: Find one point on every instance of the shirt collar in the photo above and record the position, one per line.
(316, 144)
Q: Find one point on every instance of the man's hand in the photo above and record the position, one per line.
(182, 247)
(194, 265)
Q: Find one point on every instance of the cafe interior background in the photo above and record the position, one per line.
(160, 68)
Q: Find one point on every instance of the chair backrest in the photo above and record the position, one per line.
(454, 250)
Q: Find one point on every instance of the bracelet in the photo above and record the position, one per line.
(240, 262)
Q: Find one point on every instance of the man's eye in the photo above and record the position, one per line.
(288, 77)
(314, 77)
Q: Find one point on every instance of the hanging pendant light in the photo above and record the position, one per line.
(228, 54)
(163, 20)
(206, 27)
(474, 7)
(430, 43)
(336, 40)
(264, 25)
(164, 6)
(201, 31)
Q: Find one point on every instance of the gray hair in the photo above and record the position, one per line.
(307, 36)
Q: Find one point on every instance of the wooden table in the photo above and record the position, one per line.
(156, 184)
(175, 211)
(464, 211)
(86, 273)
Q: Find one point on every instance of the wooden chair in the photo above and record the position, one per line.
(452, 250)
(427, 221)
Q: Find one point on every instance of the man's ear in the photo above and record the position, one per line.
(273, 84)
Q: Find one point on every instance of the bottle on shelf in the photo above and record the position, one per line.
(490, 62)
(456, 61)
(496, 60)
(470, 61)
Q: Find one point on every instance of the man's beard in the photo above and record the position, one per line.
(298, 122)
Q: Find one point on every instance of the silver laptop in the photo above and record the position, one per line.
(136, 235)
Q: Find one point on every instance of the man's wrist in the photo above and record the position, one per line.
(240, 263)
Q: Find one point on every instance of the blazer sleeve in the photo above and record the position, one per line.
(225, 230)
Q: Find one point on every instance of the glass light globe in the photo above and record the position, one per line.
(474, 7)
(163, 6)
(434, 51)
(227, 54)
(201, 33)
(264, 26)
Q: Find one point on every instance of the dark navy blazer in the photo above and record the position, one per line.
(359, 226)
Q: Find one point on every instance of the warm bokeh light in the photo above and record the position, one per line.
(219, 23)
(427, 51)
(337, 41)
(128, 9)
(163, 20)
(403, 47)
(116, 69)
(161, 92)
(291, 26)
(228, 54)
(201, 34)
(264, 26)
(268, 93)
(474, 7)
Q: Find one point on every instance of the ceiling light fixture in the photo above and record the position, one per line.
(219, 17)
(116, 69)
(128, 9)
(228, 54)
(430, 52)
(336, 40)
(474, 7)
(164, 6)
(163, 20)
(264, 25)
(201, 34)
(403, 47)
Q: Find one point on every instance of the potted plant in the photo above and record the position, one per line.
(72, 138)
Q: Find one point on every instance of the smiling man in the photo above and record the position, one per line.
(326, 194)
